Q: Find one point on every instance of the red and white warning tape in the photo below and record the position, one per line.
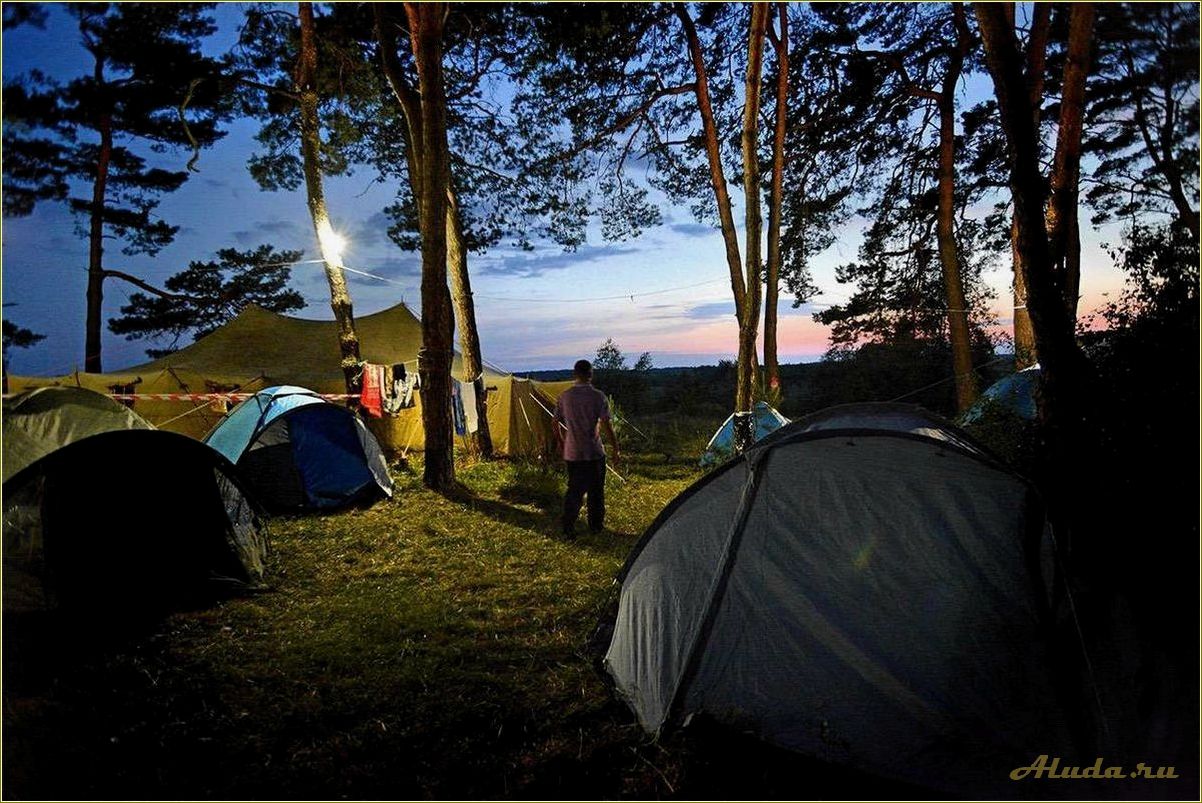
(204, 397)
(230, 397)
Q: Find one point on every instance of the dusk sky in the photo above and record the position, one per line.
(543, 309)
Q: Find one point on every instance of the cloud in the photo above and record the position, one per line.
(277, 227)
(370, 232)
(536, 263)
(692, 229)
(713, 309)
(272, 231)
(405, 271)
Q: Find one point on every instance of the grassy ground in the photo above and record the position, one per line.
(422, 647)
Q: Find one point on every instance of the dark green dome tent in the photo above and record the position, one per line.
(102, 511)
(39, 421)
(864, 586)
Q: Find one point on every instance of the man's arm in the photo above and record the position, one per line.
(608, 429)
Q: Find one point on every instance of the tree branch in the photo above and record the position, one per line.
(621, 124)
(134, 280)
(898, 67)
(275, 90)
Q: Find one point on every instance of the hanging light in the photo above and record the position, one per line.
(332, 243)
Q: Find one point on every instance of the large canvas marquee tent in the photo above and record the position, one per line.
(260, 349)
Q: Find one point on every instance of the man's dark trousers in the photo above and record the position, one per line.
(585, 477)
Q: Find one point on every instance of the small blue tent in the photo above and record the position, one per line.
(1015, 394)
(721, 446)
(296, 450)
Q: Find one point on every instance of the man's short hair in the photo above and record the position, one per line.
(583, 369)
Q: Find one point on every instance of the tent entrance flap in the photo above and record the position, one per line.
(328, 455)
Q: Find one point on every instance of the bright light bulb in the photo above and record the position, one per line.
(332, 243)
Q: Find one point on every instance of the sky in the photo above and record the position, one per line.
(666, 292)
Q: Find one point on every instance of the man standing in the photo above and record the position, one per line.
(580, 411)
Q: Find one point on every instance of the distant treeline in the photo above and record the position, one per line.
(872, 373)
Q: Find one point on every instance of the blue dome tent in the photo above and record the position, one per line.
(1014, 393)
(721, 446)
(298, 451)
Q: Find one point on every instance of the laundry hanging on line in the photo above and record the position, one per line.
(398, 389)
(470, 391)
(372, 394)
(457, 407)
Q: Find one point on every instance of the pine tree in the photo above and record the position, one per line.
(207, 295)
(1141, 119)
(150, 85)
(917, 276)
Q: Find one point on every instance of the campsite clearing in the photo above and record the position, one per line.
(422, 647)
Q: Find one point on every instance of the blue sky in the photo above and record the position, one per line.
(529, 306)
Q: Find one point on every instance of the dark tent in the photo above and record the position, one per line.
(296, 450)
(131, 519)
(864, 586)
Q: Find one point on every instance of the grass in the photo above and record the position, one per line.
(423, 647)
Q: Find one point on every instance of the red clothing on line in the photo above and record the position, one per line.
(371, 398)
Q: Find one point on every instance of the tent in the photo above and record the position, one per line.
(117, 515)
(260, 349)
(39, 421)
(865, 586)
(1014, 394)
(721, 446)
(296, 450)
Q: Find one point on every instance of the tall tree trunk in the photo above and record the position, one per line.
(426, 22)
(743, 293)
(461, 287)
(1061, 360)
(479, 441)
(1066, 165)
(92, 329)
(1072, 263)
(310, 133)
(751, 193)
(1025, 354)
(949, 257)
(730, 237)
(772, 281)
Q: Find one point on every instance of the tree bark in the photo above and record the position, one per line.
(772, 280)
(1066, 166)
(1060, 358)
(310, 135)
(426, 21)
(479, 441)
(745, 393)
(949, 257)
(95, 293)
(730, 236)
(1025, 354)
(92, 328)
(461, 288)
